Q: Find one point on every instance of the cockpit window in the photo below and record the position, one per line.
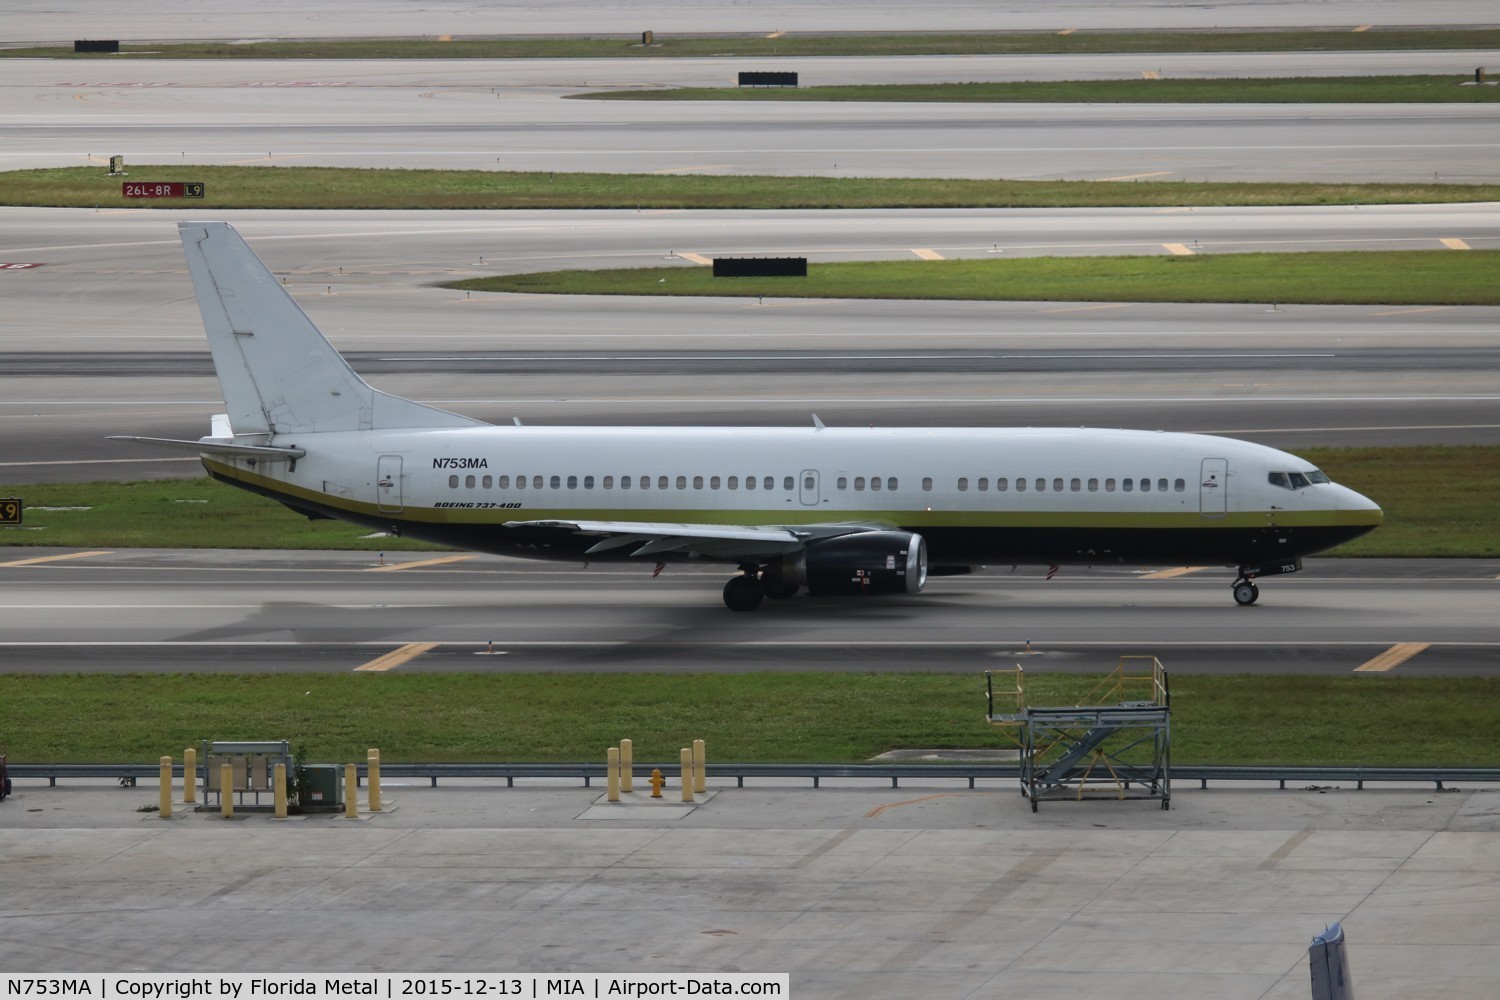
(1296, 480)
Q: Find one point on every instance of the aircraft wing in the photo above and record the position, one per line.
(718, 541)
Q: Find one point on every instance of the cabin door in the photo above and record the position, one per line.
(388, 484)
(1213, 487)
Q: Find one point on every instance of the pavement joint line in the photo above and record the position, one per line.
(1179, 249)
(1167, 574)
(1392, 658)
(1454, 243)
(419, 563)
(396, 657)
(48, 559)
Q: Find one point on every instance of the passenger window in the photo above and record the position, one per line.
(843, 482)
(1057, 486)
(536, 482)
(1180, 485)
(1127, 485)
(502, 482)
(1109, 486)
(1161, 486)
(809, 483)
(697, 482)
(749, 482)
(963, 484)
(624, 482)
(875, 483)
(484, 483)
(1020, 485)
(890, 483)
(927, 484)
(661, 482)
(1041, 485)
(572, 482)
(734, 482)
(790, 483)
(557, 482)
(645, 482)
(1076, 485)
(468, 482)
(859, 484)
(609, 482)
(1093, 486)
(1145, 486)
(983, 484)
(588, 482)
(713, 482)
(453, 482)
(769, 483)
(1002, 484)
(682, 482)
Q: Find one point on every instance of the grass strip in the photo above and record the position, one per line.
(1458, 520)
(667, 46)
(1353, 277)
(363, 188)
(1251, 90)
(790, 717)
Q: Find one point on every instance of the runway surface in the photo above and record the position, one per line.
(36, 21)
(230, 611)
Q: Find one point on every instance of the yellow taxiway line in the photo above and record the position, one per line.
(1392, 658)
(396, 657)
(47, 559)
(413, 565)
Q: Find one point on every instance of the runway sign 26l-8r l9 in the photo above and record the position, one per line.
(162, 189)
(10, 511)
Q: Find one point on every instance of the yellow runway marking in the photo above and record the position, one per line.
(1067, 31)
(1363, 27)
(1150, 74)
(1167, 574)
(1084, 309)
(396, 657)
(1136, 177)
(1179, 249)
(414, 565)
(1454, 243)
(1392, 658)
(696, 258)
(1408, 312)
(928, 254)
(690, 170)
(48, 559)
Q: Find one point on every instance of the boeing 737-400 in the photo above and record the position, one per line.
(838, 511)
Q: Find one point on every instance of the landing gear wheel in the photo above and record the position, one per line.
(743, 593)
(1245, 592)
(778, 590)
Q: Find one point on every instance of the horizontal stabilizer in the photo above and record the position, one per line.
(208, 446)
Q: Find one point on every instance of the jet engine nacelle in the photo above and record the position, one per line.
(870, 562)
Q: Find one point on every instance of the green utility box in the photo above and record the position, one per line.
(322, 787)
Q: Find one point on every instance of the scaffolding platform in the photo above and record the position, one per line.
(1121, 750)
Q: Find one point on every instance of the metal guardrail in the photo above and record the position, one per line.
(586, 772)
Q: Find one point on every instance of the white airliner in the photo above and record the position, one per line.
(841, 511)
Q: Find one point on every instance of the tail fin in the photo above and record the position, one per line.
(278, 373)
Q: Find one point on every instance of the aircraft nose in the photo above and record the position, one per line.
(1356, 508)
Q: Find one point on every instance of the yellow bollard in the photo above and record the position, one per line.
(656, 782)
(166, 788)
(686, 757)
(190, 775)
(226, 790)
(351, 792)
(372, 765)
(612, 766)
(627, 766)
(700, 759)
(279, 783)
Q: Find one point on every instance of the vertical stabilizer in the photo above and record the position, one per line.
(279, 374)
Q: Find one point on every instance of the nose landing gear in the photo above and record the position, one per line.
(1245, 592)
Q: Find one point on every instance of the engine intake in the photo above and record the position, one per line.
(870, 562)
